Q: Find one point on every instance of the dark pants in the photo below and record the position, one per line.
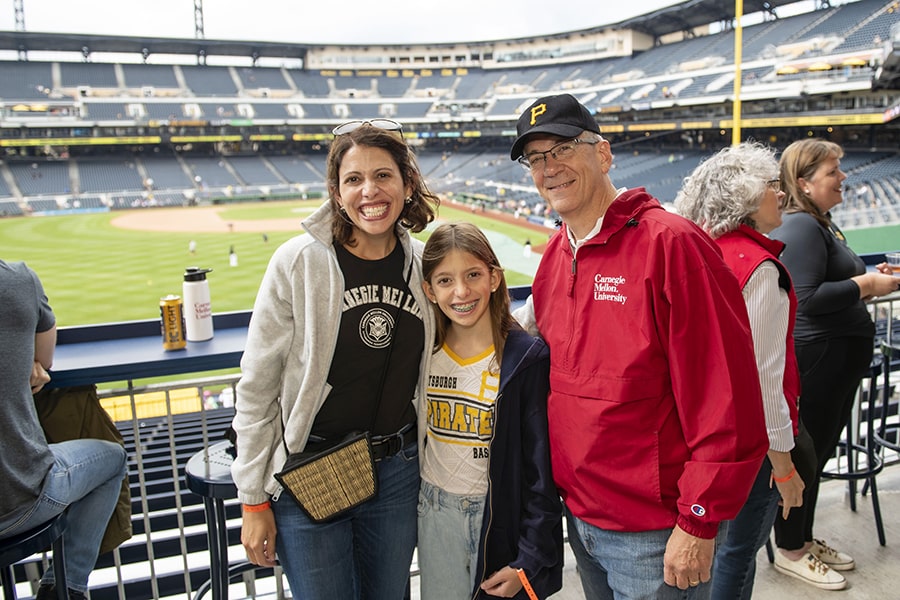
(735, 565)
(830, 373)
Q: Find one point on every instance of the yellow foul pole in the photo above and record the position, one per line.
(738, 45)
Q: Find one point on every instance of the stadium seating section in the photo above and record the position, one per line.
(127, 97)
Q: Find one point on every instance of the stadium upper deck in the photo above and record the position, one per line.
(630, 72)
(659, 84)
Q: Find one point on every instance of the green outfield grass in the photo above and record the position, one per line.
(875, 239)
(96, 273)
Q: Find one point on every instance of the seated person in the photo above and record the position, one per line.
(42, 480)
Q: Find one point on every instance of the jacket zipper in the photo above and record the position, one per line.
(572, 303)
(489, 499)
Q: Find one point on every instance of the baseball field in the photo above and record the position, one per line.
(115, 266)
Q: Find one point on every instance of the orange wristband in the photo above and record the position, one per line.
(787, 477)
(256, 507)
(526, 585)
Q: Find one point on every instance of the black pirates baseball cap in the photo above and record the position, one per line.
(560, 115)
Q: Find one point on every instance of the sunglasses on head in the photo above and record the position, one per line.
(386, 124)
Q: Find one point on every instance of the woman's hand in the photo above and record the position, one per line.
(790, 486)
(872, 285)
(884, 268)
(258, 537)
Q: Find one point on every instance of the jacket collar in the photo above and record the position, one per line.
(519, 351)
(774, 247)
(625, 210)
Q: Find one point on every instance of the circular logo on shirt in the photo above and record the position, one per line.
(698, 510)
(376, 328)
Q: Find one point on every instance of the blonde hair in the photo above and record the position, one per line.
(799, 160)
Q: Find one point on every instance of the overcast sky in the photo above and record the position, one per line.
(326, 21)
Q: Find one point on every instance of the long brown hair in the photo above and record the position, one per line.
(801, 159)
(466, 237)
(416, 214)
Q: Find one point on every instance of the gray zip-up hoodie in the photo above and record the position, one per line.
(290, 345)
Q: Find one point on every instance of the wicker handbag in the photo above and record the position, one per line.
(329, 481)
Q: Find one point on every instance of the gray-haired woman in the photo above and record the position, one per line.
(735, 196)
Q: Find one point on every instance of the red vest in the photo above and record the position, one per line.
(744, 249)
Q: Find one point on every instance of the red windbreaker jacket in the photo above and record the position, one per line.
(655, 411)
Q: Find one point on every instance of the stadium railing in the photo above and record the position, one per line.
(163, 425)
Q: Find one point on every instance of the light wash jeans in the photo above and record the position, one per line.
(449, 534)
(86, 478)
(616, 565)
(365, 553)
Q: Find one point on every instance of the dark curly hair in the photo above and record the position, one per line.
(416, 215)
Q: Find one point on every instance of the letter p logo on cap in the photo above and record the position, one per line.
(537, 111)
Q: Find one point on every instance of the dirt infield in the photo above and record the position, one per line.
(206, 219)
(198, 220)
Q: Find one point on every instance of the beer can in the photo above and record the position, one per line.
(171, 319)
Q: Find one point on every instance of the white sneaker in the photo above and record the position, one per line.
(811, 570)
(833, 558)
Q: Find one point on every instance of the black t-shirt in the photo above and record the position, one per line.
(821, 264)
(378, 312)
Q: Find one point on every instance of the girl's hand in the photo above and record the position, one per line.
(504, 583)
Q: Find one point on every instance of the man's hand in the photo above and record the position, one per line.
(39, 377)
(688, 559)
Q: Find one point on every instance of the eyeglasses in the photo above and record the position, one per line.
(774, 184)
(386, 124)
(561, 151)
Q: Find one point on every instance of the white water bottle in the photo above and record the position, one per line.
(198, 320)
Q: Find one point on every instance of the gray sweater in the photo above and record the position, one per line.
(291, 340)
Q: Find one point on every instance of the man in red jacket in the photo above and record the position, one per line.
(655, 413)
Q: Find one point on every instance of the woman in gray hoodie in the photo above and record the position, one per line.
(338, 342)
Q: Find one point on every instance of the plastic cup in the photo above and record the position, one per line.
(893, 260)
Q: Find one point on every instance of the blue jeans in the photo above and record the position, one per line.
(735, 566)
(86, 478)
(624, 565)
(449, 536)
(365, 553)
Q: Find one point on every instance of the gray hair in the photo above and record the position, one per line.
(726, 188)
